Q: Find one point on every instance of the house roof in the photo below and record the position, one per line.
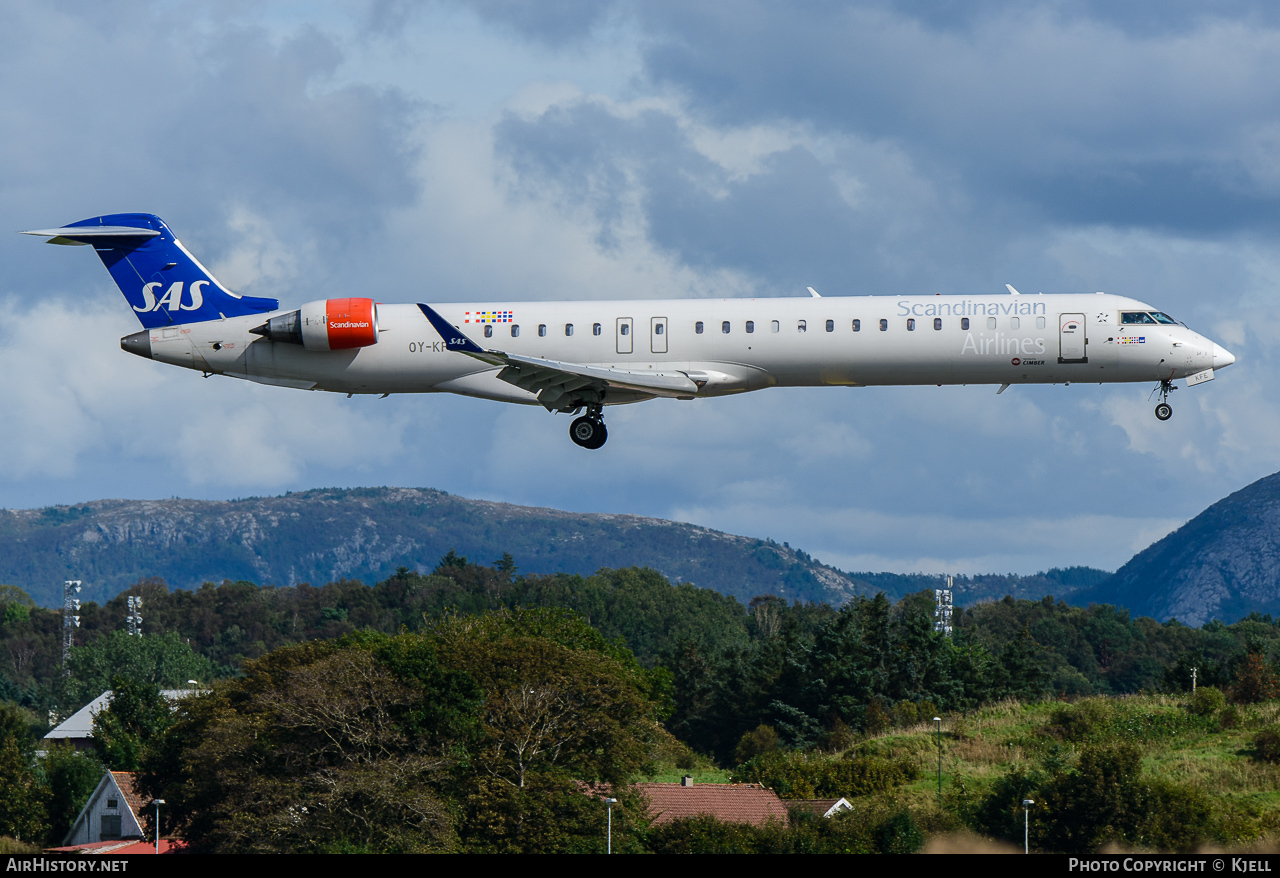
(730, 803)
(123, 781)
(129, 790)
(80, 723)
(122, 847)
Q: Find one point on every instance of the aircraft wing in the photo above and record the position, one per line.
(555, 383)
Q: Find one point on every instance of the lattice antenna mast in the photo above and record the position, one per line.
(70, 619)
(942, 608)
(135, 616)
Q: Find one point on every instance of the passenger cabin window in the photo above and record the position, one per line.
(1014, 323)
(991, 323)
(751, 326)
(488, 330)
(884, 325)
(568, 329)
(515, 330)
(831, 326)
(857, 326)
(801, 326)
(1132, 318)
(937, 323)
(911, 324)
(697, 327)
(542, 329)
(625, 328)
(595, 329)
(658, 328)
(724, 327)
(964, 322)
(1039, 323)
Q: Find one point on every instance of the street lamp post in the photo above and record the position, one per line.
(1026, 825)
(938, 720)
(159, 802)
(609, 803)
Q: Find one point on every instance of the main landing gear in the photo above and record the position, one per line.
(589, 430)
(1164, 411)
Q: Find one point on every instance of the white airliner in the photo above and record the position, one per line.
(577, 357)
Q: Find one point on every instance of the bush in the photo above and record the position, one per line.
(1206, 701)
(760, 740)
(1083, 720)
(1266, 745)
(1255, 680)
(795, 775)
(1229, 718)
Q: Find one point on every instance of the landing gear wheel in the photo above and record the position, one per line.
(1164, 411)
(588, 432)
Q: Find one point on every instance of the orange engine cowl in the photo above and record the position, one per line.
(338, 324)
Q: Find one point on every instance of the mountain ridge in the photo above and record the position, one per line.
(328, 534)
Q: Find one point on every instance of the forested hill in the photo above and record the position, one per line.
(365, 534)
(1223, 564)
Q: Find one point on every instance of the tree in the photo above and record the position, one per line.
(137, 715)
(1255, 680)
(25, 800)
(71, 777)
(318, 748)
(163, 661)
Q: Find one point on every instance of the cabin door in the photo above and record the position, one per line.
(1071, 339)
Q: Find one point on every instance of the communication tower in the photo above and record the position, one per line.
(942, 609)
(135, 616)
(70, 621)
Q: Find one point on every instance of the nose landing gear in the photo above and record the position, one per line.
(589, 430)
(1164, 411)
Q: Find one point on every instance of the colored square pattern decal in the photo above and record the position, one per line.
(488, 317)
(1132, 339)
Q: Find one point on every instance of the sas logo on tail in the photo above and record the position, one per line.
(172, 299)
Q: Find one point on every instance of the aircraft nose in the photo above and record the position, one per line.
(1222, 357)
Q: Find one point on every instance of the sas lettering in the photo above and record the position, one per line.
(172, 298)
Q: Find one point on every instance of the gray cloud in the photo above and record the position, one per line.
(870, 148)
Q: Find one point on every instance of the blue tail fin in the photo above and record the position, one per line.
(163, 283)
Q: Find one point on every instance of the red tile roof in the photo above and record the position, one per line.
(730, 803)
(122, 847)
(124, 780)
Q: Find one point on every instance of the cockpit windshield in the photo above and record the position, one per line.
(1133, 318)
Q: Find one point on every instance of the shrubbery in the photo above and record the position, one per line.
(797, 775)
(1266, 744)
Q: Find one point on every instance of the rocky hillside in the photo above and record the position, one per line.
(1223, 564)
(365, 534)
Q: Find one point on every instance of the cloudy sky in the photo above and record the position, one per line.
(579, 149)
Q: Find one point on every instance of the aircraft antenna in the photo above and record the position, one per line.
(70, 619)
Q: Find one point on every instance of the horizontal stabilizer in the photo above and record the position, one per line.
(91, 234)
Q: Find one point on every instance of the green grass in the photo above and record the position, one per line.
(982, 746)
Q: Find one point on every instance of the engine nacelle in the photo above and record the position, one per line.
(328, 325)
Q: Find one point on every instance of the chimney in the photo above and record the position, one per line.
(686, 781)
